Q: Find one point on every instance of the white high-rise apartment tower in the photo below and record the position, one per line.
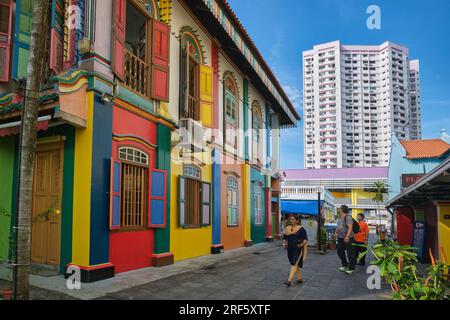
(355, 98)
(414, 100)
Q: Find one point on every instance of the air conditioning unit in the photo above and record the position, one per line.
(192, 135)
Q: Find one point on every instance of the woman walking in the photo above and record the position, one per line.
(295, 241)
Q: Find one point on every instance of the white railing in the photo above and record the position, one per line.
(306, 193)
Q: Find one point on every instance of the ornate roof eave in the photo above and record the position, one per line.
(223, 24)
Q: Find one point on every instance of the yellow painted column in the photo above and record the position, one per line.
(82, 188)
(444, 227)
(354, 202)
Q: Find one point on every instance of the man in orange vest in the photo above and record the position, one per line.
(362, 238)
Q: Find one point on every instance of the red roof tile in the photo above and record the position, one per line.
(425, 149)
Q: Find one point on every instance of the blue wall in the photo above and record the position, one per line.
(400, 165)
(101, 173)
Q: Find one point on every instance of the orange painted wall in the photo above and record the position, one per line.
(232, 237)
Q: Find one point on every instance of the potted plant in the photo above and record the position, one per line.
(332, 245)
(322, 242)
(7, 294)
(398, 266)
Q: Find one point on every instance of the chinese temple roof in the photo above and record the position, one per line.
(425, 149)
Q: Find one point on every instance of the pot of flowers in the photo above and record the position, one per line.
(7, 294)
(332, 245)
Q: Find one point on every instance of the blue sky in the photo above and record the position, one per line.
(283, 29)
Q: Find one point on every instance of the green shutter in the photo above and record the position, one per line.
(22, 38)
(206, 204)
(182, 201)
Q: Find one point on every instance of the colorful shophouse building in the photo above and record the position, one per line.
(427, 203)
(222, 179)
(124, 181)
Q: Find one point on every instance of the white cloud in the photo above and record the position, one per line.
(295, 96)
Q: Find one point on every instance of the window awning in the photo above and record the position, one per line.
(305, 207)
(14, 127)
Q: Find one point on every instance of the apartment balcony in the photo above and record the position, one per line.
(137, 74)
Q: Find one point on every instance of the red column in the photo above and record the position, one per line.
(269, 236)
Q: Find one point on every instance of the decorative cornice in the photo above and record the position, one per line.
(149, 116)
(123, 137)
(231, 173)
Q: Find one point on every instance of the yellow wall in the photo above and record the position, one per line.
(188, 243)
(360, 194)
(341, 195)
(444, 228)
(81, 191)
(355, 194)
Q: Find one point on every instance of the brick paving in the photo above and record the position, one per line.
(38, 293)
(259, 276)
(254, 273)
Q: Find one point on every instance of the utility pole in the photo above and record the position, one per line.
(319, 222)
(27, 149)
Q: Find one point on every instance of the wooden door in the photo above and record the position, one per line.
(46, 226)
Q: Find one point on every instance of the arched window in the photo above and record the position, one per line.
(232, 202)
(191, 171)
(138, 24)
(231, 103)
(134, 186)
(257, 125)
(258, 204)
(133, 155)
(190, 67)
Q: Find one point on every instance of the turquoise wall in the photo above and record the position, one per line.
(258, 232)
(6, 187)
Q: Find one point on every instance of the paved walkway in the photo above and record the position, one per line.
(122, 281)
(260, 276)
(255, 273)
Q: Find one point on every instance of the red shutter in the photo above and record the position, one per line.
(56, 36)
(56, 52)
(118, 45)
(72, 16)
(160, 61)
(6, 7)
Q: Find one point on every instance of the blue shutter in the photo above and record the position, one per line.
(158, 199)
(22, 38)
(206, 204)
(114, 210)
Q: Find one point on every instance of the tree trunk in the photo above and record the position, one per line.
(28, 137)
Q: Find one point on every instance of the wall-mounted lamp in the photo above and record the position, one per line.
(84, 46)
(107, 98)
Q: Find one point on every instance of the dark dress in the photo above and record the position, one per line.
(293, 250)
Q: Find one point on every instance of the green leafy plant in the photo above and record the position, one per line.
(380, 189)
(45, 216)
(398, 266)
(5, 213)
